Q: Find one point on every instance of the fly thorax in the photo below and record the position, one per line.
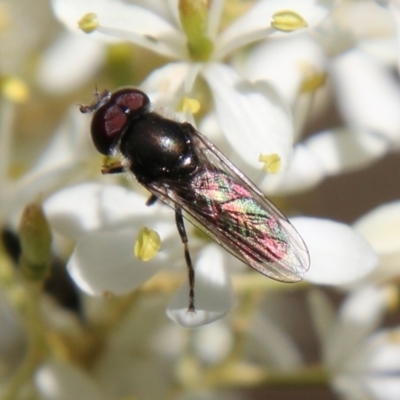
(157, 147)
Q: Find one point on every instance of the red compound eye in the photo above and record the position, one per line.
(111, 115)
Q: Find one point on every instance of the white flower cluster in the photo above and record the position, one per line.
(267, 72)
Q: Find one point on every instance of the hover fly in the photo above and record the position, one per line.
(182, 168)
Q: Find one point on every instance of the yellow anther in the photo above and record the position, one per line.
(313, 81)
(272, 162)
(147, 245)
(14, 89)
(89, 22)
(189, 104)
(288, 21)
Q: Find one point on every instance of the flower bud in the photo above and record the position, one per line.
(35, 236)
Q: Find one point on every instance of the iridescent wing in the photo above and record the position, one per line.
(229, 208)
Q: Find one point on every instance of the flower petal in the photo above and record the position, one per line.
(80, 209)
(354, 74)
(285, 63)
(213, 292)
(381, 227)
(360, 21)
(274, 344)
(69, 62)
(344, 150)
(303, 172)
(372, 373)
(104, 263)
(60, 161)
(323, 316)
(256, 23)
(166, 82)
(70, 146)
(381, 358)
(125, 21)
(213, 342)
(338, 254)
(252, 117)
(330, 152)
(360, 314)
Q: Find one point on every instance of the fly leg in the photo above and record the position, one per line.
(115, 168)
(151, 200)
(182, 232)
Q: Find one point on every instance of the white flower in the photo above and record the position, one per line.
(363, 364)
(353, 55)
(338, 254)
(214, 291)
(59, 161)
(251, 115)
(381, 227)
(369, 96)
(59, 59)
(22, 33)
(106, 221)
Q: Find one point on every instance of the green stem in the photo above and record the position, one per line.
(241, 375)
(36, 342)
(314, 375)
(255, 282)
